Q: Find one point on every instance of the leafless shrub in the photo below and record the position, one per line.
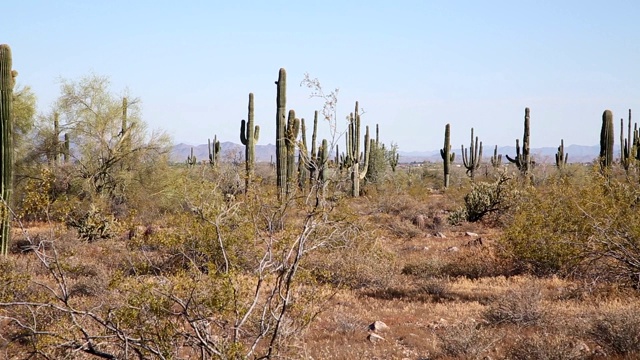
(467, 340)
(548, 347)
(520, 306)
(618, 330)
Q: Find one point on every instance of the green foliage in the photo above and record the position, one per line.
(378, 164)
(92, 225)
(393, 156)
(484, 199)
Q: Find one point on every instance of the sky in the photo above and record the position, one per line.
(413, 66)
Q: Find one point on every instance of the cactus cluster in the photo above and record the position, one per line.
(472, 157)
(249, 135)
(447, 156)
(7, 82)
(523, 159)
(191, 159)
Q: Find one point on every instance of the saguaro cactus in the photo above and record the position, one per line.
(304, 158)
(523, 159)
(496, 159)
(191, 159)
(56, 141)
(291, 134)
(313, 160)
(67, 152)
(447, 156)
(323, 160)
(561, 156)
(281, 147)
(249, 136)
(353, 156)
(626, 145)
(473, 157)
(606, 141)
(214, 151)
(7, 81)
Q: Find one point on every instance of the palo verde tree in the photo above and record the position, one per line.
(110, 141)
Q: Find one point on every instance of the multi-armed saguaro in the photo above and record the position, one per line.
(291, 134)
(447, 155)
(353, 151)
(523, 160)
(496, 159)
(472, 157)
(7, 81)
(606, 141)
(561, 156)
(249, 136)
(214, 151)
(191, 159)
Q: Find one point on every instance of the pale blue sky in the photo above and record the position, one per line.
(413, 65)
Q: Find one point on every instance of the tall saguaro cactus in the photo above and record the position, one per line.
(7, 81)
(523, 159)
(304, 159)
(281, 147)
(249, 136)
(353, 152)
(472, 157)
(606, 141)
(447, 156)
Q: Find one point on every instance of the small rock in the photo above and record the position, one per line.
(374, 338)
(440, 235)
(469, 233)
(378, 326)
(453, 249)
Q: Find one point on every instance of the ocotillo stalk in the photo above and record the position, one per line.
(447, 156)
(496, 159)
(281, 147)
(472, 159)
(606, 141)
(191, 159)
(561, 156)
(7, 81)
(291, 134)
(626, 145)
(214, 151)
(66, 148)
(249, 135)
(523, 159)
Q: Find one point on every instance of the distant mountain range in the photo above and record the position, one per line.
(266, 153)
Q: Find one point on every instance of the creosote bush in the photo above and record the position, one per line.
(484, 199)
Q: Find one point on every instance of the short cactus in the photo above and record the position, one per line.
(606, 141)
(214, 151)
(561, 156)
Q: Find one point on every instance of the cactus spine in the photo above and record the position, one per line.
(561, 156)
(7, 81)
(523, 159)
(473, 157)
(496, 159)
(353, 152)
(447, 156)
(249, 135)
(281, 149)
(626, 145)
(214, 151)
(606, 141)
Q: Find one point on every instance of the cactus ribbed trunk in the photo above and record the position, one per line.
(447, 155)
(291, 134)
(313, 160)
(626, 145)
(606, 141)
(281, 148)
(249, 136)
(472, 157)
(523, 159)
(7, 82)
(304, 159)
(214, 151)
(496, 159)
(561, 156)
(66, 148)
